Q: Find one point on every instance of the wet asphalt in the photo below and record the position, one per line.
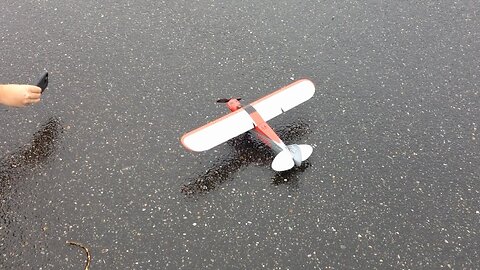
(393, 182)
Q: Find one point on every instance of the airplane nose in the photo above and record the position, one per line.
(234, 104)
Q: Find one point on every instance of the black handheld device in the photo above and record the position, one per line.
(43, 81)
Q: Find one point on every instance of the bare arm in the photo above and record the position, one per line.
(19, 95)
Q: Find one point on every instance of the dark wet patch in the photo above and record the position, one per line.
(31, 155)
(247, 151)
(17, 166)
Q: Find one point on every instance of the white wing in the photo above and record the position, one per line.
(218, 131)
(284, 99)
(238, 122)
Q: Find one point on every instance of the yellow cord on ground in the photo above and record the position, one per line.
(89, 258)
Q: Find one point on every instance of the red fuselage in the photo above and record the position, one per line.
(263, 131)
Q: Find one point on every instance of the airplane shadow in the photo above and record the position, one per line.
(247, 151)
(17, 164)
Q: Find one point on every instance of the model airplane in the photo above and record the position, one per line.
(252, 118)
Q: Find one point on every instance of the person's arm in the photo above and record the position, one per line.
(19, 95)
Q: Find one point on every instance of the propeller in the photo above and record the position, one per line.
(225, 100)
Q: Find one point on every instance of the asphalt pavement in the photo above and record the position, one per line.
(393, 182)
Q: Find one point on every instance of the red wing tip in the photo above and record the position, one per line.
(182, 140)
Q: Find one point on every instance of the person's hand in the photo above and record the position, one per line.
(19, 95)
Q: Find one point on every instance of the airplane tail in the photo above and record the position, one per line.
(294, 155)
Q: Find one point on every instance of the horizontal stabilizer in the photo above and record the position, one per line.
(293, 155)
(283, 161)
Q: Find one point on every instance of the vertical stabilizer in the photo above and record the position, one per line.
(300, 152)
